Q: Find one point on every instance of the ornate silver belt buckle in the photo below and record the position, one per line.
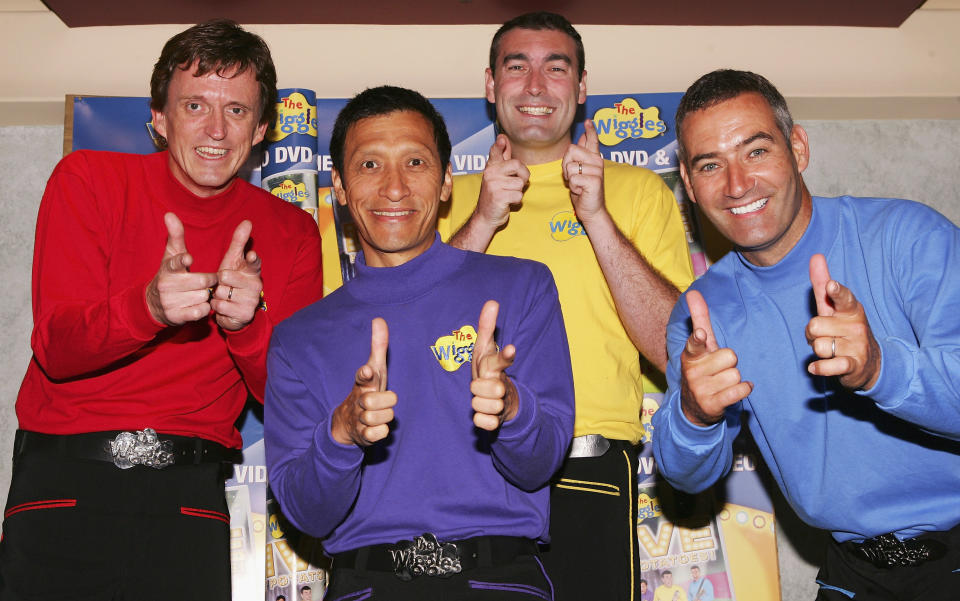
(140, 448)
(425, 555)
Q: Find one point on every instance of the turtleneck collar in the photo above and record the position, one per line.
(403, 283)
(794, 268)
(201, 211)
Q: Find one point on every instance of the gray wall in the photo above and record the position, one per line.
(908, 159)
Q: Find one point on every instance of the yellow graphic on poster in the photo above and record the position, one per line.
(295, 115)
(627, 120)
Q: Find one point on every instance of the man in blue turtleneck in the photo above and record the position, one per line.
(415, 415)
(834, 332)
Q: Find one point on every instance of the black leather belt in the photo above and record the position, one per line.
(426, 556)
(888, 551)
(100, 446)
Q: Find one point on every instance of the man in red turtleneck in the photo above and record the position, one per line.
(157, 281)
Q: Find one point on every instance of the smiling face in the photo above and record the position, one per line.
(746, 178)
(210, 122)
(537, 87)
(392, 183)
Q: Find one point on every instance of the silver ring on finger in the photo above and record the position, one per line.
(833, 347)
(230, 294)
(579, 168)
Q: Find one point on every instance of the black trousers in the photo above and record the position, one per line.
(522, 580)
(845, 576)
(593, 527)
(87, 530)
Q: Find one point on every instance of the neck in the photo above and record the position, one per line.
(538, 155)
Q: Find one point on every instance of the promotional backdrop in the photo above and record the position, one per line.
(728, 531)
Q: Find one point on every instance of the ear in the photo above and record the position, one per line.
(159, 125)
(259, 133)
(447, 187)
(489, 86)
(800, 147)
(338, 187)
(686, 182)
(582, 94)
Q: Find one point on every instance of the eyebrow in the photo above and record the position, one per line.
(760, 135)
(520, 56)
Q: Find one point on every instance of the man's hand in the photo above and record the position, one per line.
(710, 378)
(174, 295)
(363, 417)
(840, 334)
(236, 299)
(583, 170)
(504, 179)
(494, 395)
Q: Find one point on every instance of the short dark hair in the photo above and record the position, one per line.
(665, 572)
(219, 45)
(305, 587)
(281, 597)
(384, 100)
(725, 84)
(539, 21)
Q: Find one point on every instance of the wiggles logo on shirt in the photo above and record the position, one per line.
(295, 115)
(565, 226)
(627, 120)
(456, 349)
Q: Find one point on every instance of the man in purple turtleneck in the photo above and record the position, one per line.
(415, 416)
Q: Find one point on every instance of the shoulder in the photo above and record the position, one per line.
(622, 174)
(100, 162)
(505, 266)
(467, 185)
(324, 315)
(888, 216)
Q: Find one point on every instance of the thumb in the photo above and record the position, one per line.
(841, 298)
(486, 326)
(700, 319)
(176, 244)
(379, 341)
(589, 139)
(819, 278)
(500, 151)
(233, 258)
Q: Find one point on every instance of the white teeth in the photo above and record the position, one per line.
(209, 150)
(393, 213)
(536, 110)
(750, 208)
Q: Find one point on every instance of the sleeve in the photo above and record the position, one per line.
(658, 232)
(315, 478)
(302, 286)
(920, 375)
(529, 449)
(83, 322)
(689, 456)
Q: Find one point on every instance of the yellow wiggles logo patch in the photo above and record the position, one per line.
(627, 120)
(456, 349)
(564, 226)
(294, 116)
(290, 191)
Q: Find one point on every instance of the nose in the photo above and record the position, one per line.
(216, 125)
(535, 82)
(394, 185)
(739, 180)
